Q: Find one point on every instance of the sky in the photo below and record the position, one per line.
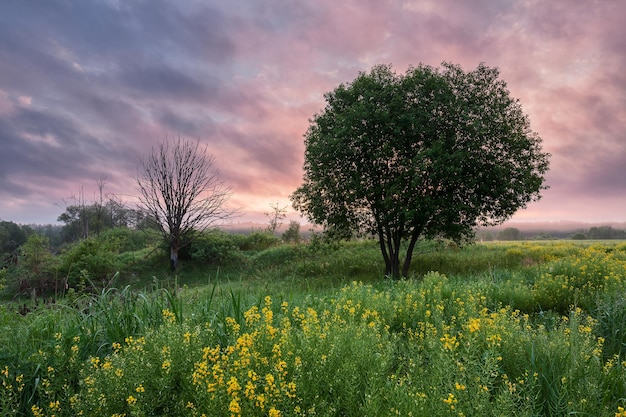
(87, 88)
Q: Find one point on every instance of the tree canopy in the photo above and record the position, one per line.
(433, 152)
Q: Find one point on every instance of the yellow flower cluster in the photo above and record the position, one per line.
(580, 277)
(254, 372)
(168, 316)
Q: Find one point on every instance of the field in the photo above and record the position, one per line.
(519, 329)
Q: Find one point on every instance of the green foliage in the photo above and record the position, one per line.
(428, 153)
(93, 258)
(84, 220)
(36, 254)
(278, 256)
(258, 241)
(130, 240)
(216, 247)
(33, 269)
(606, 232)
(3, 275)
(610, 312)
(466, 344)
(292, 234)
(12, 236)
(578, 279)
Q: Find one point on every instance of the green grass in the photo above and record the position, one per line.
(525, 329)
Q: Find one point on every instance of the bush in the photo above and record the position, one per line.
(130, 240)
(258, 241)
(90, 258)
(216, 247)
(34, 269)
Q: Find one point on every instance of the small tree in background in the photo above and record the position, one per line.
(276, 217)
(181, 190)
(292, 234)
(510, 233)
(36, 253)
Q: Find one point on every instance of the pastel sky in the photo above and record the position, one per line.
(88, 87)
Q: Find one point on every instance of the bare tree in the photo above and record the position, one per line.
(276, 217)
(181, 190)
(99, 204)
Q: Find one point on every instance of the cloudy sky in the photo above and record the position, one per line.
(88, 87)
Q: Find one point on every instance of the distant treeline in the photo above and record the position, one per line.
(515, 233)
(87, 221)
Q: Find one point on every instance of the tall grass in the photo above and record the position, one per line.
(485, 342)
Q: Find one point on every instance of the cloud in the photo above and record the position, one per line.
(87, 88)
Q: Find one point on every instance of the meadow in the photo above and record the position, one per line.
(520, 329)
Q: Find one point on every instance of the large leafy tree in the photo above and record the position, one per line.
(181, 191)
(432, 152)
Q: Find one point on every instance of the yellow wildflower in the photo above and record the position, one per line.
(274, 412)
(37, 412)
(168, 316)
(474, 325)
(234, 406)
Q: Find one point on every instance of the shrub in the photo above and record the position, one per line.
(35, 269)
(129, 240)
(91, 258)
(258, 241)
(292, 234)
(216, 247)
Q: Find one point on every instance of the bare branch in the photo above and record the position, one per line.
(181, 189)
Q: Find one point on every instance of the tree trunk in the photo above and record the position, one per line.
(383, 249)
(409, 255)
(393, 245)
(173, 258)
(395, 265)
(390, 247)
